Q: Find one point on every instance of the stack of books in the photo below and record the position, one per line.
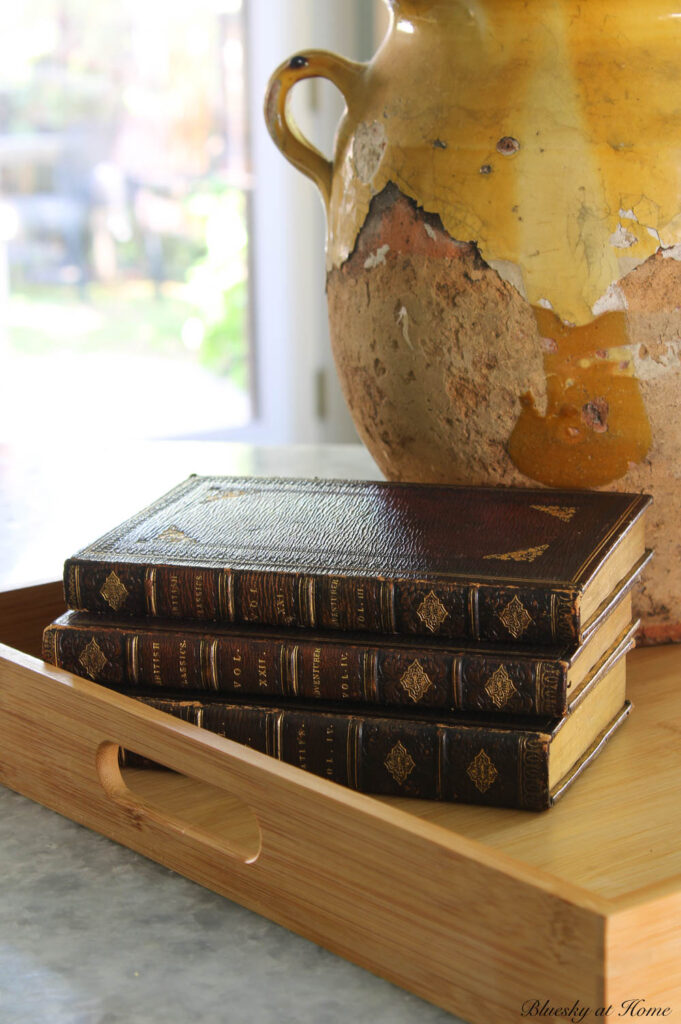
(449, 643)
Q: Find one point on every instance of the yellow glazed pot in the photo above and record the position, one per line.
(504, 249)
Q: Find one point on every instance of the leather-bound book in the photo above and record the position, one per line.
(516, 762)
(492, 564)
(309, 665)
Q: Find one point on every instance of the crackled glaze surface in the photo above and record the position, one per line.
(504, 247)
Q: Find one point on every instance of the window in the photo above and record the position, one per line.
(123, 218)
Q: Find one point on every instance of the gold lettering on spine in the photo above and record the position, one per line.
(198, 596)
(175, 595)
(281, 605)
(301, 745)
(156, 662)
(334, 587)
(253, 603)
(329, 760)
(262, 672)
(344, 674)
(132, 659)
(360, 608)
(237, 668)
(150, 591)
(316, 672)
(183, 662)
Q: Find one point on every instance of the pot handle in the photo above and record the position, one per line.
(284, 131)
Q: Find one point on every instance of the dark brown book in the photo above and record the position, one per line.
(369, 668)
(492, 564)
(517, 762)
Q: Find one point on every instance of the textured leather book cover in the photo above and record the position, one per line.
(306, 665)
(494, 564)
(502, 761)
(456, 761)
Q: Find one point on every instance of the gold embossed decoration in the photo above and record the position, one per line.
(564, 512)
(400, 763)
(481, 771)
(222, 496)
(114, 591)
(432, 612)
(515, 617)
(500, 687)
(175, 535)
(92, 658)
(416, 681)
(526, 555)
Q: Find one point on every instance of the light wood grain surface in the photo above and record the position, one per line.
(471, 911)
(474, 909)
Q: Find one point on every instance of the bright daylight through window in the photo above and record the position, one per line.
(123, 217)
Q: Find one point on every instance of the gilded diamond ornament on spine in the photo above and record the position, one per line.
(481, 771)
(114, 591)
(92, 658)
(500, 687)
(432, 612)
(515, 617)
(400, 763)
(416, 681)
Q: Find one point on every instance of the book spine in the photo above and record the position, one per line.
(318, 668)
(461, 764)
(530, 614)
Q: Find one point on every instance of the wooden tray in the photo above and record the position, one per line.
(480, 911)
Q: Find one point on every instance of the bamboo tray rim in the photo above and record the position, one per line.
(218, 748)
(222, 752)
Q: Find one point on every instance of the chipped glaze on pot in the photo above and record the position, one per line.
(504, 249)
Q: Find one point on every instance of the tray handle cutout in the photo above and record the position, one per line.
(179, 806)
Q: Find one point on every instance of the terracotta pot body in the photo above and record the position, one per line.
(504, 249)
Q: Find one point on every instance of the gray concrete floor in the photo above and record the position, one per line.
(92, 933)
